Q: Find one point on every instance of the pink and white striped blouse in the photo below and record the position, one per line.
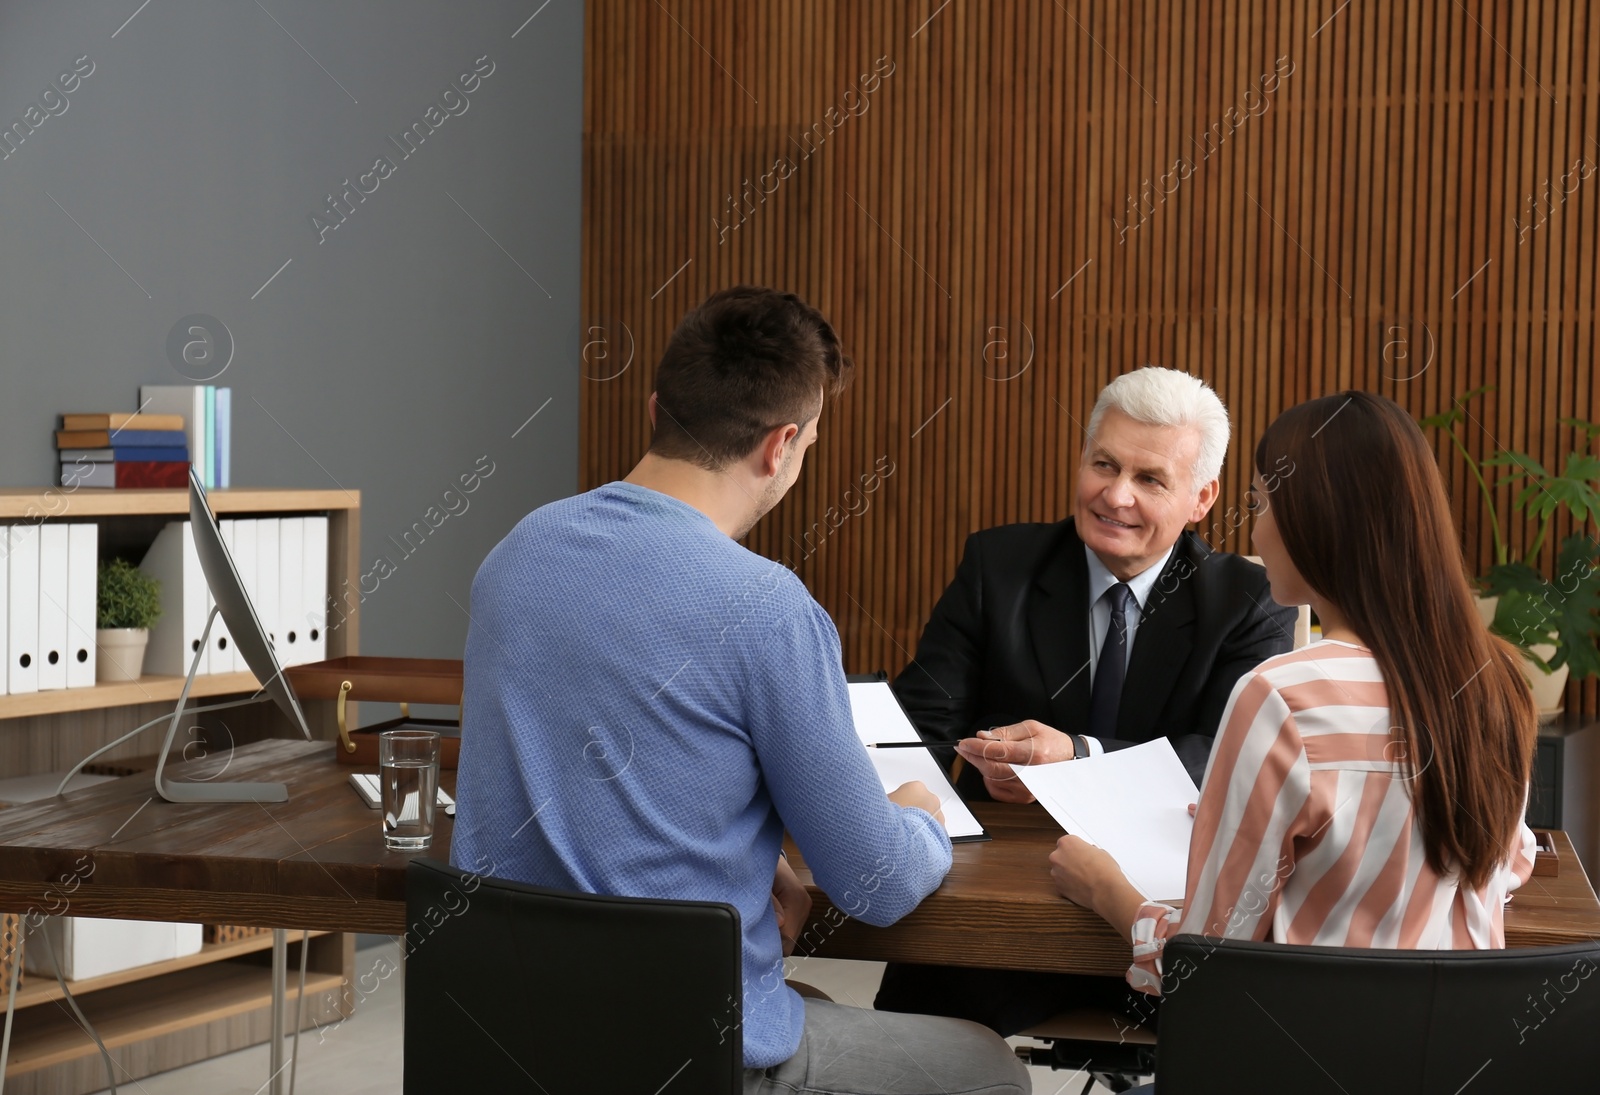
(1305, 832)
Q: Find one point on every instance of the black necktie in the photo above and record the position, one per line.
(1111, 667)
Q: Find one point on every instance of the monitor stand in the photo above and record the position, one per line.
(207, 792)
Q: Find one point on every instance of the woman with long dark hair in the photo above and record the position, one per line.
(1366, 790)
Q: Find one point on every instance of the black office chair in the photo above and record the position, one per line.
(1243, 1017)
(514, 988)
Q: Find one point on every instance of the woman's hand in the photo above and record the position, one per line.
(1080, 870)
(1088, 876)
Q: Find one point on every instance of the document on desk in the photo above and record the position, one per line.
(879, 716)
(913, 762)
(899, 756)
(1132, 802)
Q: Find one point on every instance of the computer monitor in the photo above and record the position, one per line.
(249, 639)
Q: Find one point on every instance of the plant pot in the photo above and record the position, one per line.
(1548, 688)
(121, 653)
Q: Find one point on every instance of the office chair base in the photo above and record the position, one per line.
(1115, 1067)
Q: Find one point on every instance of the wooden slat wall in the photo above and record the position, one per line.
(965, 234)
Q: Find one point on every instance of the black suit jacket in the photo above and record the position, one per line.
(1009, 640)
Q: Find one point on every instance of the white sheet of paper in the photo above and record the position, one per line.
(897, 766)
(877, 714)
(1132, 802)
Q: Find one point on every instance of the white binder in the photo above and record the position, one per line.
(265, 593)
(291, 595)
(223, 659)
(314, 584)
(219, 659)
(175, 639)
(52, 606)
(83, 553)
(22, 615)
(242, 545)
(5, 607)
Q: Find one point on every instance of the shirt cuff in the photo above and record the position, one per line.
(1095, 748)
(1151, 927)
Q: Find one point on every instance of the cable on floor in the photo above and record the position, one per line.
(105, 1054)
(11, 1004)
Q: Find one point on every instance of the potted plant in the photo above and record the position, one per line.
(1554, 620)
(128, 603)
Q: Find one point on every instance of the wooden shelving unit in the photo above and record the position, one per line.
(42, 990)
(65, 504)
(123, 694)
(48, 1037)
(166, 1014)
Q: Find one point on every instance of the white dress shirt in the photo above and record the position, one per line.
(1100, 582)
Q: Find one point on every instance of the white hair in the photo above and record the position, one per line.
(1168, 397)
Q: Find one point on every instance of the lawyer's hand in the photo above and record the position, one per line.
(917, 794)
(993, 752)
(792, 903)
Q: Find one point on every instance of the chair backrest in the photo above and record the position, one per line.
(514, 988)
(1302, 619)
(1249, 1017)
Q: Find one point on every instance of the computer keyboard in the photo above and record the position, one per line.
(366, 785)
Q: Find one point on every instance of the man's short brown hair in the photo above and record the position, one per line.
(743, 363)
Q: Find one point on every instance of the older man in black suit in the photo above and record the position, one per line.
(1111, 628)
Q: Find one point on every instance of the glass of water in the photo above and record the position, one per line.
(408, 772)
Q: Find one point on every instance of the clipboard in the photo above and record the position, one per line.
(898, 754)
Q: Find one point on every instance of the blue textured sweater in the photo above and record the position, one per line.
(648, 707)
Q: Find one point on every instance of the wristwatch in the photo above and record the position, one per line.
(1080, 746)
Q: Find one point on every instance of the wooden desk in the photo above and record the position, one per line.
(316, 861)
(997, 909)
(116, 850)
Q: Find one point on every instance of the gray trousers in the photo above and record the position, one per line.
(855, 1051)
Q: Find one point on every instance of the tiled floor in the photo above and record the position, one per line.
(362, 1056)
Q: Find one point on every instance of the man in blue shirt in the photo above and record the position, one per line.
(650, 705)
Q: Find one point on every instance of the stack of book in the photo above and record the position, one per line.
(123, 450)
(176, 425)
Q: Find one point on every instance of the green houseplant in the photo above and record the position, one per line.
(1553, 619)
(127, 605)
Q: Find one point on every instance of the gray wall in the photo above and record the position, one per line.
(387, 358)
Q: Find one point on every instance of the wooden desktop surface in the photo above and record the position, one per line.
(997, 909)
(315, 861)
(318, 861)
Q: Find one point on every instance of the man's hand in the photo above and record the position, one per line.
(792, 904)
(917, 794)
(993, 752)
